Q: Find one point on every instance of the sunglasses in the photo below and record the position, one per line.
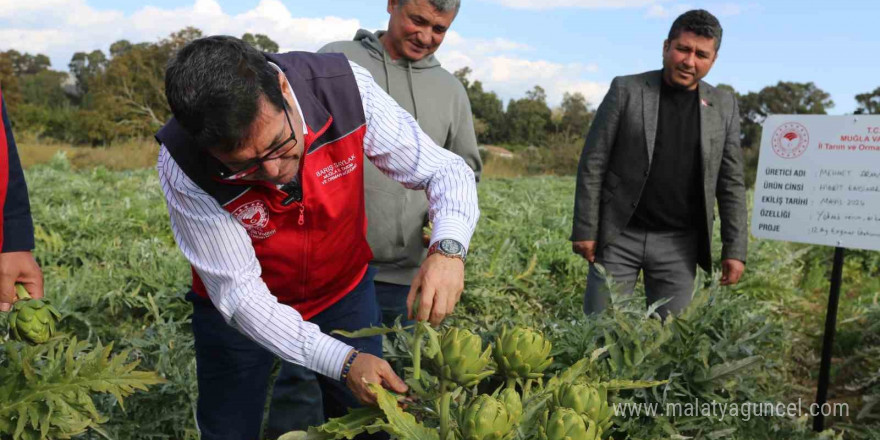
(275, 152)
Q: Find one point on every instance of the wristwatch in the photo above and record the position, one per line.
(448, 248)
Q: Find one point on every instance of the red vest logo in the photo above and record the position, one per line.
(790, 140)
(255, 218)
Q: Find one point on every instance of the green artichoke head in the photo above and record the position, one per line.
(591, 402)
(32, 320)
(486, 418)
(461, 358)
(522, 353)
(512, 401)
(566, 424)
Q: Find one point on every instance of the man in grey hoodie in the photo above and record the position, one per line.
(402, 62)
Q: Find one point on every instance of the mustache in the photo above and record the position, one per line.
(686, 70)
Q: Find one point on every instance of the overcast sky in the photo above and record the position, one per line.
(511, 45)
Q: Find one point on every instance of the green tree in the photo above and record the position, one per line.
(487, 108)
(783, 98)
(794, 98)
(45, 89)
(260, 42)
(869, 103)
(178, 39)
(528, 119)
(27, 64)
(119, 48)
(8, 81)
(129, 95)
(576, 115)
(85, 67)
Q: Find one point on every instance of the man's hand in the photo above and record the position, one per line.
(586, 249)
(441, 281)
(731, 271)
(369, 368)
(18, 267)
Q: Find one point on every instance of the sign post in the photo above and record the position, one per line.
(828, 340)
(819, 182)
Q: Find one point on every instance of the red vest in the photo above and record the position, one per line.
(312, 253)
(4, 165)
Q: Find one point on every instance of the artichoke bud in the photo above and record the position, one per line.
(32, 320)
(566, 424)
(513, 403)
(486, 418)
(522, 353)
(461, 358)
(586, 400)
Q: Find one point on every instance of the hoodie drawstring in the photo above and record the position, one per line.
(387, 77)
(412, 91)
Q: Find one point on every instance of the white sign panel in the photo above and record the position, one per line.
(819, 181)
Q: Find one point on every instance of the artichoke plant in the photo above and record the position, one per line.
(513, 403)
(461, 358)
(522, 353)
(486, 418)
(586, 400)
(32, 320)
(566, 424)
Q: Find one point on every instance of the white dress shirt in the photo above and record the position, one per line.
(221, 252)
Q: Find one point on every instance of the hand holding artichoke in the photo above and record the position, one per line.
(32, 320)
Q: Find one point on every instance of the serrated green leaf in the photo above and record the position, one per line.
(631, 384)
(56, 400)
(364, 332)
(728, 368)
(399, 423)
(433, 346)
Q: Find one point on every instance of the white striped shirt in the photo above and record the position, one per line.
(221, 252)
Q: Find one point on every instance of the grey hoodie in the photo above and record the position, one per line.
(438, 101)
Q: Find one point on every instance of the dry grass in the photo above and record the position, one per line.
(501, 167)
(559, 157)
(123, 156)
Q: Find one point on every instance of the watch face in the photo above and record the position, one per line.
(450, 247)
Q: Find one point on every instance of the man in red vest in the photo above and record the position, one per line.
(17, 264)
(262, 170)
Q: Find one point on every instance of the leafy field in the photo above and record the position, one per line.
(112, 268)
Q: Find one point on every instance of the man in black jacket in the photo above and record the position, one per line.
(664, 145)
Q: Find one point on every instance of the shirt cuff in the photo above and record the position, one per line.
(452, 228)
(328, 356)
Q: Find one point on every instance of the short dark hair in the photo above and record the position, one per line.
(213, 86)
(440, 5)
(700, 22)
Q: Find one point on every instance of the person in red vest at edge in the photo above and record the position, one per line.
(17, 263)
(262, 171)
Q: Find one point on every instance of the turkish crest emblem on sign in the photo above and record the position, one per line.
(790, 140)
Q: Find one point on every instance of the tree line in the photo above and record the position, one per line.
(103, 98)
(116, 96)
